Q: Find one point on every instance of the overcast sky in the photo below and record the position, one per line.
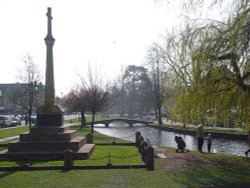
(106, 33)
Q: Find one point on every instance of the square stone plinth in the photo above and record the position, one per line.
(74, 145)
(49, 115)
(48, 143)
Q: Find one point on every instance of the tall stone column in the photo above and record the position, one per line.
(49, 40)
(49, 114)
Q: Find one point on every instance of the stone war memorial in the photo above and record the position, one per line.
(49, 139)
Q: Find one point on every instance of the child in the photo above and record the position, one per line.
(181, 145)
(209, 143)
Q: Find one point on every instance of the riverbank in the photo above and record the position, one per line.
(191, 130)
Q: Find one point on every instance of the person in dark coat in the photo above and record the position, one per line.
(181, 145)
(200, 137)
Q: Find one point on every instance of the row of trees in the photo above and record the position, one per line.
(133, 94)
(201, 71)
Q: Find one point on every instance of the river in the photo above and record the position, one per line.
(163, 138)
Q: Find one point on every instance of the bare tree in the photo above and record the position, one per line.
(156, 67)
(75, 101)
(97, 100)
(26, 96)
(119, 84)
(96, 94)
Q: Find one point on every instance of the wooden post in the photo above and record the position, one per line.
(89, 138)
(150, 157)
(141, 140)
(106, 124)
(144, 151)
(68, 159)
(137, 136)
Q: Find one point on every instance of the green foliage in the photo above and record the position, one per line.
(138, 89)
(212, 64)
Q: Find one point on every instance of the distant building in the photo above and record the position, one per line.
(14, 97)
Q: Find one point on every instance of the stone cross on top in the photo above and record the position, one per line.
(49, 21)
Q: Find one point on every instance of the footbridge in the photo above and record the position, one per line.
(130, 122)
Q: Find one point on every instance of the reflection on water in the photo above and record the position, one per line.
(163, 138)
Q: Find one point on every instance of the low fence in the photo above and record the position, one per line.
(146, 152)
(144, 147)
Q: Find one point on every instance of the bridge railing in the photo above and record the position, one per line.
(130, 122)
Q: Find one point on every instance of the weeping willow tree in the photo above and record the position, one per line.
(221, 65)
(211, 61)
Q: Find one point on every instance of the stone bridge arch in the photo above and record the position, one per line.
(130, 122)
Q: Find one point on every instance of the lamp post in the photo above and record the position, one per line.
(158, 93)
(32, 91)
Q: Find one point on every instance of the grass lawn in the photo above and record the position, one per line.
(4, 133)
(120, 155)
(191, 169)
(98, 138)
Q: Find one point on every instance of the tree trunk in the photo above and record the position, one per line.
(83, 119)
(184, 123)
(29, 118)
(159, 115)
(156, 113)
(92, 123)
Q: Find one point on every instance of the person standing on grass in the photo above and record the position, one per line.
(246, 152)
(209, 143)
(200, 136)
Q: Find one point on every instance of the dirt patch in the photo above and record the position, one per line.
(178, 161)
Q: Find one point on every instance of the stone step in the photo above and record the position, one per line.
(29, 156)
(74, 144)
(41, 129)
(83, 153)
(48, 137)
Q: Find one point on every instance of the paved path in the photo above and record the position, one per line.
(194, 126)
(9, 138)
